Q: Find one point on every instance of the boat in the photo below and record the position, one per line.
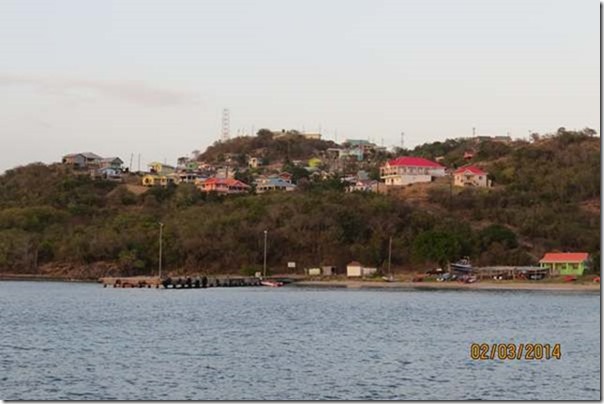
(463, 265)
(470, 279)
(272, 284)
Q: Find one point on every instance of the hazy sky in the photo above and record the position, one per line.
(152, 77)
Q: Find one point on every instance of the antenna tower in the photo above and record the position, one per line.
(226, 123)
(402, 140)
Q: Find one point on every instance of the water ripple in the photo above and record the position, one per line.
(81, 342)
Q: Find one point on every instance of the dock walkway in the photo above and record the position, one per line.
(180, 282)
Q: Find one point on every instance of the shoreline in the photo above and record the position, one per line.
(360, 284)
(531, 286)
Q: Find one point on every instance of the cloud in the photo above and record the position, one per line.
(132, 91)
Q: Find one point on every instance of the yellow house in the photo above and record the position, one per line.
(151, 180)
(160, 168)
(314, 162)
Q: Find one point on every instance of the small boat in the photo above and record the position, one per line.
(272, 284)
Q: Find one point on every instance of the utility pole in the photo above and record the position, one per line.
(161, 228)
(264, 267)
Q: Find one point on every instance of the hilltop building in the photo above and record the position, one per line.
(82, 160)
(410, 170)
(109, 168)
(114, 163)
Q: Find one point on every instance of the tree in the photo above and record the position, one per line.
(436, 246)
(497, 233)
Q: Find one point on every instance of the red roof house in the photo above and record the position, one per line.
(409, 170)
(573, 263)
(470, 176)
(575, 257)
(471, 169)
(414, 162)
(224, 185)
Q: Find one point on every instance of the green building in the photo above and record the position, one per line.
(565, 263)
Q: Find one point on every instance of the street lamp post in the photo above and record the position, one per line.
(264, 267)
(161, 228)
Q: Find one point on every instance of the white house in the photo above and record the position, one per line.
(328, 270)
(410, 170)
(111, 162)
(273, 183)
(82, 160)
(314, 271)
(108, 173)
(354, 269)
(254, 162)
(470, 176)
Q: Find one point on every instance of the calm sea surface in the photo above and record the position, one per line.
(80, 341)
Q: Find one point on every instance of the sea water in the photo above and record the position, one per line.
(74, 341)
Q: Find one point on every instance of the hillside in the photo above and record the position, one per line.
(290, 146)
(547, 193)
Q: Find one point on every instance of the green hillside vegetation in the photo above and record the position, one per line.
(55, 221)
(264, 145)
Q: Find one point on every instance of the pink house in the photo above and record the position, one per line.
(224, 186)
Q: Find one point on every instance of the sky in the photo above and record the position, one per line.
(151, 78)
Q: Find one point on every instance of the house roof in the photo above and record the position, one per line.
(564, 257)
(354, 264)
(365, 182)
(112, 159)
(154, 163)
(414, 162)
(275, 182)
(230, 182)
(471, 169)
(87, 155)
